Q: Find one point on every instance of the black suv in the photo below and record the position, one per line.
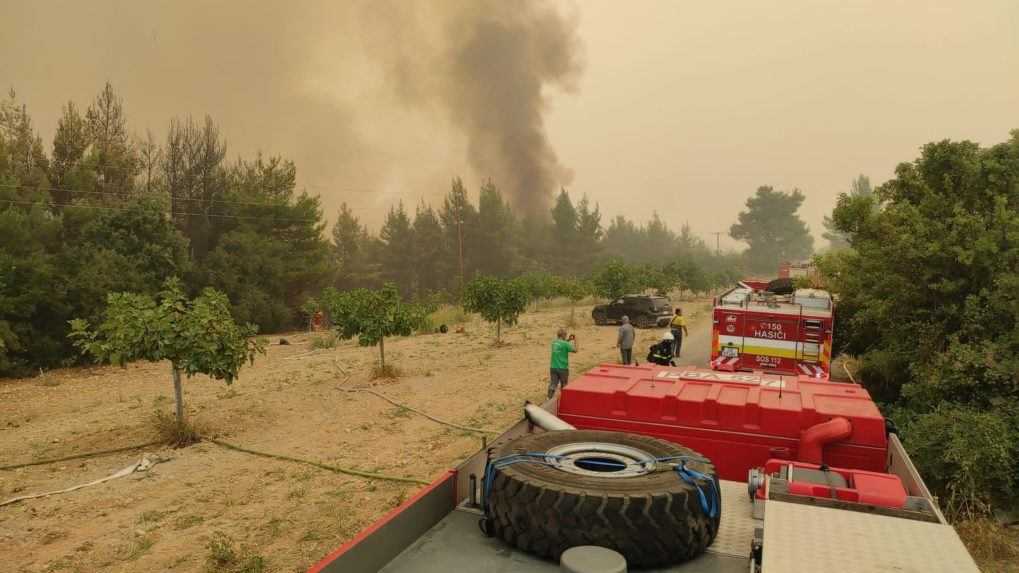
(644, 311)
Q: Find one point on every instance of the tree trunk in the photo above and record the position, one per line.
(498, 331)
(382, 354)
(178, 395)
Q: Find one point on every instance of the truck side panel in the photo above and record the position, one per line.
(375, 546)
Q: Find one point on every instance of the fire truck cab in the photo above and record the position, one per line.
(754, 329)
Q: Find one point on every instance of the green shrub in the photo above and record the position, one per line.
(326, 341)
(372, 315)
(967, 456)
(448, 314)
(496, 300)
(174, 432)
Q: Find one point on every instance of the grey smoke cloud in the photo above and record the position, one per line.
(487, 65)
(374, 100)
(499, 71)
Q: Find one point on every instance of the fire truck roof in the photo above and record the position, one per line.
(806, 302)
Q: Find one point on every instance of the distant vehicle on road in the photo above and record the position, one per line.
(644, 311)
(773, 327)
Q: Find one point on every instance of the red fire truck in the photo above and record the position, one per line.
(783, 332)
(680, 470)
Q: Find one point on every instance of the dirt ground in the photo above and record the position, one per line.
(290, 402)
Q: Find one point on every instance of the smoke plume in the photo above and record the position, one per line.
(499, 68)
(374, 100)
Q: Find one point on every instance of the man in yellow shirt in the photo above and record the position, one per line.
(678, 326)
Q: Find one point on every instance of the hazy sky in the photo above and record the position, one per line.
(680, 107)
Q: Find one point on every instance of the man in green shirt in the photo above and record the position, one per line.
(559, 371)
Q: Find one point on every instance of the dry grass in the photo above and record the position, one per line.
(995, 547)
(387, 372)
(171, 432)
(223, 557)
(449, 315)
(278, 407)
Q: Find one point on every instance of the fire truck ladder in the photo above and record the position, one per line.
(811, 338)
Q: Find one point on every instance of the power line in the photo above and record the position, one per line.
(125, 194)
(140, 174)
(717, 234)
(210, 215)
(144, 194)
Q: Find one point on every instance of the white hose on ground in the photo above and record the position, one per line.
(140, 466)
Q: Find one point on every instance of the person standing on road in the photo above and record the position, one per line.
(624, 342)
(559, 372)
(678, 326)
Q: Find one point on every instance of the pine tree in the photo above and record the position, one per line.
(267, 251)
(195, 179)
(459, 224)
(27, 161)
(495, 233)
(589, 235)
(429, 252)
(398, 262)
(621, 238)
(353, 252)
(69, 145)
(773, 230)
(860, 187)
(111, 153)
(150, 160)
(562, 254)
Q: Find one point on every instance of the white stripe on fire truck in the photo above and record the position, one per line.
(763, 346)
(725, 339)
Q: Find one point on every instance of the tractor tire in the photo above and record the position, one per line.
(600, 319)
(653, 519)
(782, 286)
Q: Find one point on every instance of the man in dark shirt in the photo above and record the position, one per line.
(624, 341)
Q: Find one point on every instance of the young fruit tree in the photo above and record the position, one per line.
(372, 315)
(196, 336)
(496, 300)
(573, 289)
(614, 279)
(538, 286)
(656, 279)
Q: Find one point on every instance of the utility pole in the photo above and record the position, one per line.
(460, 236)
(717, 234)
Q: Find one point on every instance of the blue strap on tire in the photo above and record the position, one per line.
(499, 463)
(709, 504)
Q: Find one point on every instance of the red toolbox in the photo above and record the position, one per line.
(739, 420)
(855, 486)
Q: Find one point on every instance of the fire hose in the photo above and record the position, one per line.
(419, 412)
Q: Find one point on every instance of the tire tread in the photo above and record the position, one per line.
(650, 526)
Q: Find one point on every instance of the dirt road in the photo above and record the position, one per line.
(696, 349)
(282, 515)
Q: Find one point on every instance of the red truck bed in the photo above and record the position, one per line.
(738, 420)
